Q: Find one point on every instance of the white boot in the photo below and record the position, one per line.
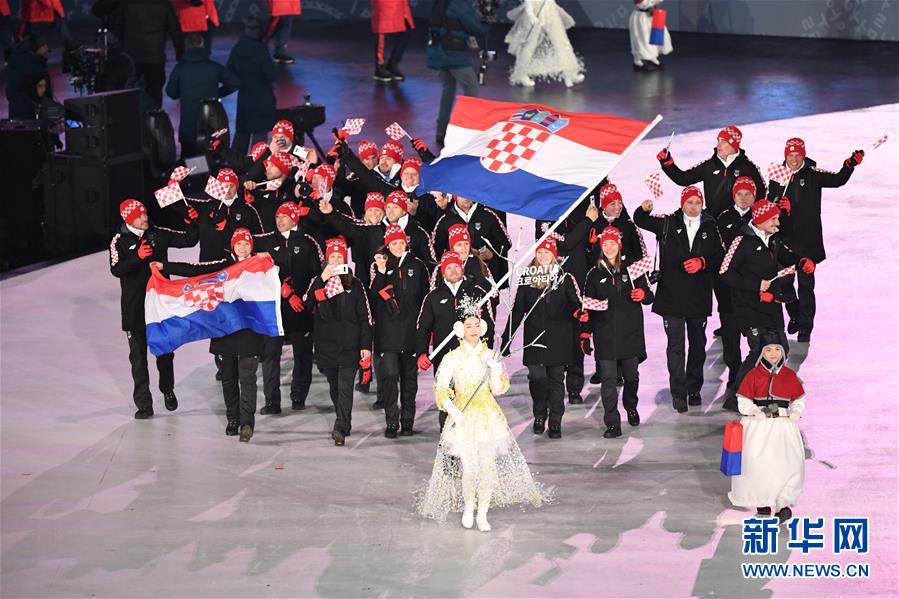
(468, 513)
(523, 81)
(483, 506)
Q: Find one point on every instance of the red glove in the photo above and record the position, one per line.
(855, 159)
(694, 265)
(192, 214)
(586, 347)
(593, 237)
(214, 144)
(296, 303)
(365, 365)
(807, 266)
(638, 294)
(335, 150)
(419, 145)
(220, 226)
(286, 289)
(665, 157)
(341, 135)
(785, 205)
(248, 197)
(423, 362)
(320, 294)
(766, 297)
(581, 315)
(390, 299)
(144, 250)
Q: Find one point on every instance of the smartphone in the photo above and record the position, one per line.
(341, 269)
(300, 152)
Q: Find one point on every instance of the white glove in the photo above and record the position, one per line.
(454, 412)
(795, 416)
(494, 361)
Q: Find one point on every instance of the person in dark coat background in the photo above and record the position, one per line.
(27, 60)
(251, 62)
(143, 26)
(690, 251)
(195, 78)
(800, 205)
(552, 300)
(617, 330)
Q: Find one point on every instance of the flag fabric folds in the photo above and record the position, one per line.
(732, 451)
(527, 159)
(244, 295)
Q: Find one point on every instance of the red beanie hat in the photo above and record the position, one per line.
(336, 244)
(283, 128)
(690, 192)
(549, 244)
(731, 135)
(450, 258)
(392, 149)
(794, 144)
(610, 234)
(367, 149)
(399, 198)
(226, 175)
(374, 200)
(413, 163)
(394, 232)
(744, 183)
(131, 210)
(258, 150)
(281, 160)
(289, 209)
(763, 210)
(608, 194)
(457, 233)
(326, 172)
(241, 234)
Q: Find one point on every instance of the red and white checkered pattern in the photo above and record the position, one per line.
(395, 132)
(129, 206)
(790, 270)
(763, 210)
(597, 305)
(219, 133)
(553, 235)
(206, 298)
(654, 183)
(779, 173)
(274, 184)
(302, 169)
(180, 173)
(639, 268)
(879, 142)
(168, 195)
(353, 126)
(258, 150)
(729, 255)
(216, 188)
(516, 144)
(333, 287)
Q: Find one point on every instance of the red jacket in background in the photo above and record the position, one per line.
(284, 8)
(195, 18)
(40, 11)
(391, 16)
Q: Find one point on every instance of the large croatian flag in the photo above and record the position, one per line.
(526, 158)
(244, 295)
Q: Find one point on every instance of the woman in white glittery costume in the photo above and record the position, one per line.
(540, 44)
(478, 462)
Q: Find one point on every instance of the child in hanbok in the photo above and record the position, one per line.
(646, 55)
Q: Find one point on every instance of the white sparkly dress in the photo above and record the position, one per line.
(539, 42)
(479, 456)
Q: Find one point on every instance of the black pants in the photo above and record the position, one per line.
(547, 392)
(165, 365)
(154, 77)
(574, 372)
(802, 312)
(398, 377)
(340, 384)
(397, 42)
(301, 377)
(239, 388)
(755, 350)
(609, 391)
(685, 378)
(730, 347)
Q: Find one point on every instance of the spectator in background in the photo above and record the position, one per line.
(194, 16)
(251, 62)
(195, 78)
(143, 26)
(391, 20)
(282, 13)
(27, 60)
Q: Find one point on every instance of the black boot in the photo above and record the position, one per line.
(378, 405)
(392, 428)
(793, 327)
(763, 511)
(382, 74)
(595, 378)
(575, 399)
(694, 399)
(730, 401)
(633, 418)
(406, 430)
(555, 431)
(539, 425)
(395, 73)
(680, 404)
(717, 332)
(283, 58)
(171, 402)
(297, 405)
(613, 432)
(270, 408)
(231, 429)
(143, 413)
(339, 439)
(246, 433)
(784, 514)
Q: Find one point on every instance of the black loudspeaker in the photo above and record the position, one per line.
(81, 199)
(22, 148)
(104, 142)
(305, 117)
(213, 117)
(160, 139)
(105, 109)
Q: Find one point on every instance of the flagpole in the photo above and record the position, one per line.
(549, 231)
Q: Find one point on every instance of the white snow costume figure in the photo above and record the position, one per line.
(540, 45)
(478, 462)
(640, 25)
(773, 460)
